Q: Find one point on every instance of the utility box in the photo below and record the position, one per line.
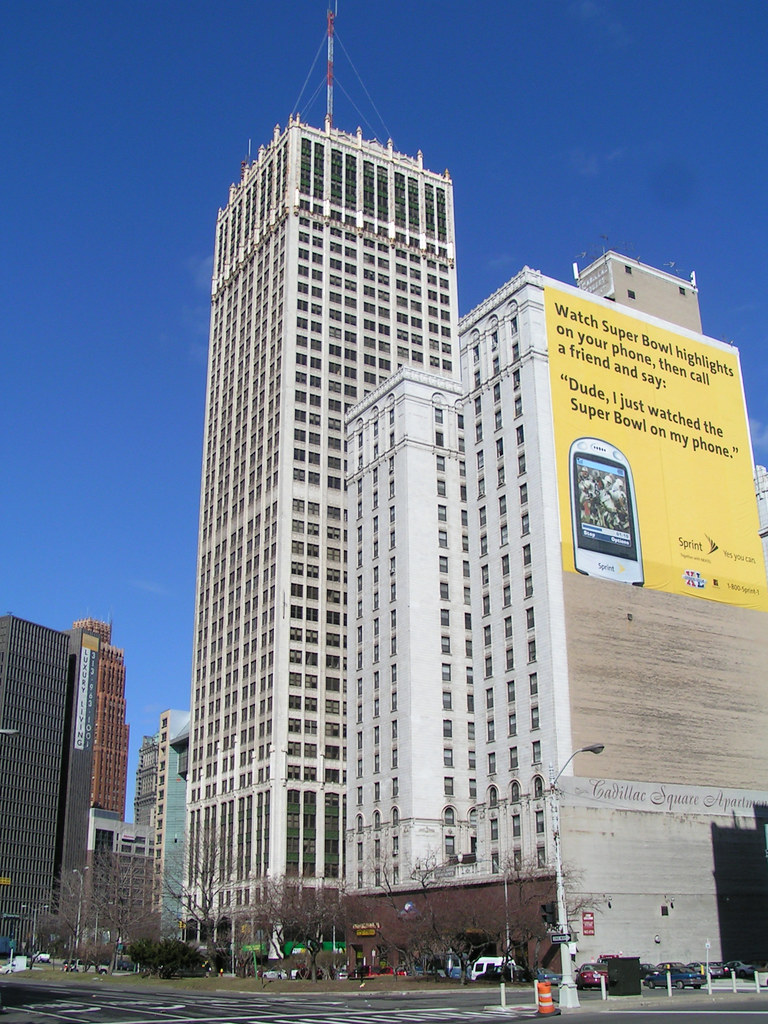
(624, 976)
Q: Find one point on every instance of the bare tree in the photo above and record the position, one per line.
(526, 888)
(107, 902)
(432, 920)
(198, 888)
(67, 911)
(289, 911)
(396, 928)
(270, 913)
(120, 905)
(461, 921)
(315, 912)
(435, 919)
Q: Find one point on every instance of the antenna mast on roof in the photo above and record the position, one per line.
(329, 101)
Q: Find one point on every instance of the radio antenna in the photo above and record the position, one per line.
(329, 91)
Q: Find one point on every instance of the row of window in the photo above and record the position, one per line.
(376, 189)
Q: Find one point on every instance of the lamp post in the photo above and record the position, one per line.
(35, 941)
(569, 998)
(35, 909)
(506, 912)
(28, 942)
(6, 880)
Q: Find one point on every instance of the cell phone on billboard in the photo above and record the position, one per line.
(606, 536)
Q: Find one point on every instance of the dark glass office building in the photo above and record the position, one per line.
(47, 683)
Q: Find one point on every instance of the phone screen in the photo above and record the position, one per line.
(602, 500)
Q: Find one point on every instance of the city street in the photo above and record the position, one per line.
(33, 1003)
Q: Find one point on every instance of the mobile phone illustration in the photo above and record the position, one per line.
(606, 536)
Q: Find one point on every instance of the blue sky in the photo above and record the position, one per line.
(565, 125)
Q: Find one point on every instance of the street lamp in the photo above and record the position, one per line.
(569, 997)
(6, 880)
(35, 909)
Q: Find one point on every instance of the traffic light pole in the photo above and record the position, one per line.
(569, 996)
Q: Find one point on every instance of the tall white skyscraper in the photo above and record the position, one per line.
(334, 266)
(413, 782)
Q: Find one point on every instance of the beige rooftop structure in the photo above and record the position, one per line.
(643, 288)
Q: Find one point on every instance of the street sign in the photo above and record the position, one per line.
(560, 937)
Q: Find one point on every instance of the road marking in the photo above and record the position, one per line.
(198, 1014)
(67, 1013)
(422, 1016)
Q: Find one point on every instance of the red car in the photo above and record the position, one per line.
(589, 975)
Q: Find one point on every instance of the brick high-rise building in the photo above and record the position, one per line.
(110, 743)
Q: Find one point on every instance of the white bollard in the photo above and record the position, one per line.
(536, 994)
(733, 980)
(503, 995)
(603, 992)
(757, 983)
(669, 984)
(709, 983)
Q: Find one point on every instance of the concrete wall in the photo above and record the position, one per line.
(674, 687)
(673, 813)
(662, 884)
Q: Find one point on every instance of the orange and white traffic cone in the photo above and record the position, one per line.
(546, 1004)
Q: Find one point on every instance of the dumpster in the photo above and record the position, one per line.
(624, 976)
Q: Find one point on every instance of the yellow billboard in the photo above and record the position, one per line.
(654, 464)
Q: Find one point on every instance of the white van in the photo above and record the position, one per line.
(491, 967)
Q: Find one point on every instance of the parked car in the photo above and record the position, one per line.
(671, 965)
(680, 978)
(740, 969)
(41, 958)
(543, 974)
(647, 969)
(274, 975)
(589, 975)
(716, 969)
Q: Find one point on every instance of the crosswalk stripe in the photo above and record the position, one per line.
(261, 1014)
